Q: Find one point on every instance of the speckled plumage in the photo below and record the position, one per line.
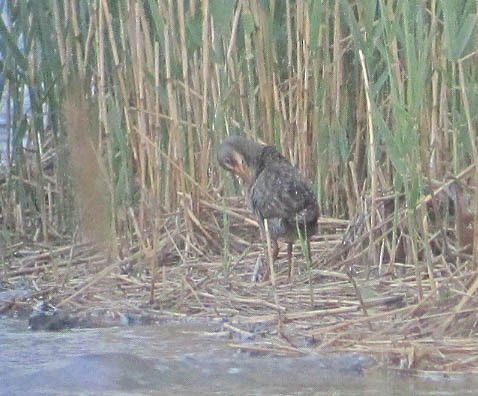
(276, 191)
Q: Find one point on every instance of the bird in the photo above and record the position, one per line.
(275, 190)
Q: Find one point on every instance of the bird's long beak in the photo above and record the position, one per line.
(241, 170)
(239, 167)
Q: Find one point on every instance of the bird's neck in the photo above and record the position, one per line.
(268, 156)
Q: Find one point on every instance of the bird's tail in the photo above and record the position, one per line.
(306, 220)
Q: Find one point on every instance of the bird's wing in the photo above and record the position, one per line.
(280, 192)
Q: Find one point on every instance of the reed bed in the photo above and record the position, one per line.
(351, 310)
(109, 186)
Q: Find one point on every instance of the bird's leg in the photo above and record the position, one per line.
(275, 249)
(257, 269)
(265, 271)
(289, 260)
(309, 253)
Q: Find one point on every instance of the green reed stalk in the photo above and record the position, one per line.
(168, 80)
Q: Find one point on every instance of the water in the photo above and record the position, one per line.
(183, 359)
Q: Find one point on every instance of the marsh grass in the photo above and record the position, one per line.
(374, 101)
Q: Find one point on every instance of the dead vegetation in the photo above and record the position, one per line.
(404, 313)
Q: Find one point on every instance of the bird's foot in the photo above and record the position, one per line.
(261, 271)
(257, 270)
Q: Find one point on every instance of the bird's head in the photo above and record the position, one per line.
(239, 156)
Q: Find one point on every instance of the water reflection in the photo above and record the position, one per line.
(180, 359)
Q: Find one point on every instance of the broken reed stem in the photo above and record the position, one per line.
(359, 296)
(459, 307)
(272, 272)
(89, 283)
(305, 247)
(154, 274)
(474, 151)
(308, 261)
(372, 166)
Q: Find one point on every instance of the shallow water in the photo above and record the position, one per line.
(180, 359)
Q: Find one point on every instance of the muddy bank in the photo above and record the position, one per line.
(182, 358)
(322, 310)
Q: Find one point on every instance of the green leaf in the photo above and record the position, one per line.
(12, 47)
